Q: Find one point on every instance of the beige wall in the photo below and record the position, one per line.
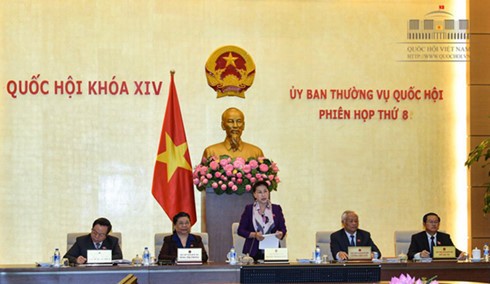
(66, 161)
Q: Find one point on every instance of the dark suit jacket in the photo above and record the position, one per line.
(85, 243)
(340, 242)
(172, 243)
(246, 226)
(420, 242)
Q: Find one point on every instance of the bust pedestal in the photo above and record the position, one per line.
(219, 213)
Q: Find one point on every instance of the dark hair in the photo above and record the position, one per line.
(103, 222)
(431, 214)
(179, 215)
(259, 183)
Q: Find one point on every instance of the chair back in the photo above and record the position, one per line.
(402, 241)
(322, 239)
(71, 238)
(238, 240)
(160, 236)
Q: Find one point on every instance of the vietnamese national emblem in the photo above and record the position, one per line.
(230, 71)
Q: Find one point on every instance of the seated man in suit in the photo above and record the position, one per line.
(421, 243)
(97, 239)
(350, 235)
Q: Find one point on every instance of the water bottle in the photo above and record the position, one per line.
(318, 255)
(56, 258)
(146, 257)
(232, 256)
(485, 252)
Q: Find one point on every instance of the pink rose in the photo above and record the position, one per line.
(217, 174)
(203, 170)
(239, 175)
(214, 165)
(234, 188)
(224, 162)
(246, 169)
(196, 181)
(205, 181)
(223, 187)
(229, 173)
(214, 185)
(208, 175)
(230, 184)
(248, 187)
(248, 176)
(253, 164)
(239, 181)
(239, 163)
(278, 180)
(263, 168)
(229, 168)
(252, 180)
(271, 177)
(274, 167)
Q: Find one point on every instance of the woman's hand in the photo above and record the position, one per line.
(279, 235)
(257, 235)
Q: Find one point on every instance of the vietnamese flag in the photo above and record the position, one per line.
(172, 179)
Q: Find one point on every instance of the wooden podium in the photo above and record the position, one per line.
(219, 213)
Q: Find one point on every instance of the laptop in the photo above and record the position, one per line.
(189, 256)
(361, 253)
(99, 257)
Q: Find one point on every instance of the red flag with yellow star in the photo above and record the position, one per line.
(172, 179)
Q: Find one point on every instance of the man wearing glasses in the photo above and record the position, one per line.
(422, 243)
(97, 239)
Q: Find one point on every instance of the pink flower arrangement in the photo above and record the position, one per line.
(407, 279)
(227, 175)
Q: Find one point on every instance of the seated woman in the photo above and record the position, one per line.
(260, 218)
(181, 238)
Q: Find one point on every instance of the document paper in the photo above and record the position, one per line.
(269, 241)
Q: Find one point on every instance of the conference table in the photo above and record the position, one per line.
(446, 271)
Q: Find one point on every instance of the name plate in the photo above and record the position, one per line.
(359, 252)
(99, 256)
(276, 255)
(444, 252)
(189, 255)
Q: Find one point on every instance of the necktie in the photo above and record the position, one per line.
(98, 245)
(352, 243)
(432, 244)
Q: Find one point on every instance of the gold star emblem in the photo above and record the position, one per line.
(230, 60)
(173, 156)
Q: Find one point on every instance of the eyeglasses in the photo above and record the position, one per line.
(97, 234)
